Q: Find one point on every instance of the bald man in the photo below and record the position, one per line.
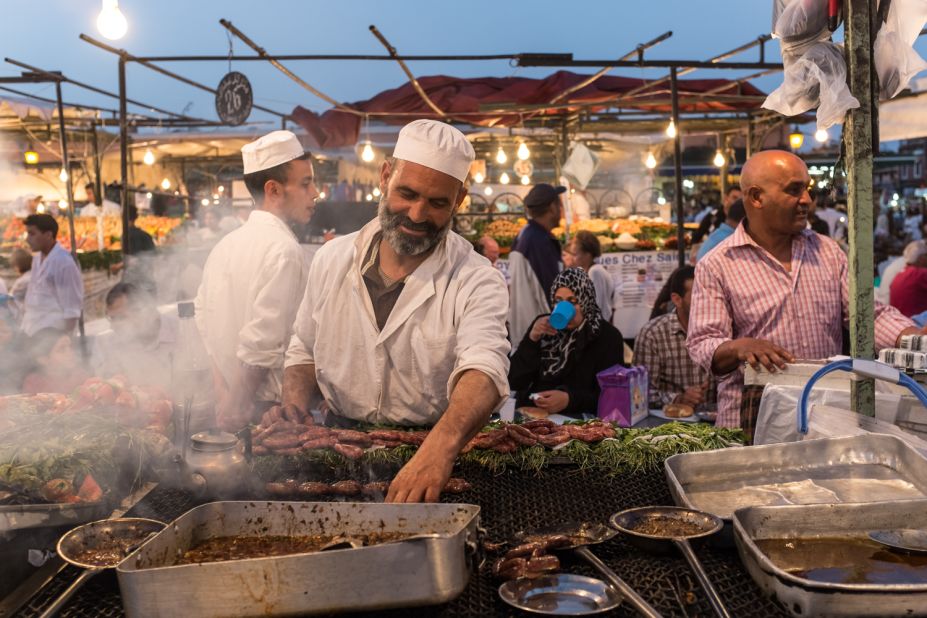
(774, 291)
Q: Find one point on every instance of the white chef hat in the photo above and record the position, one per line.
(437, 145)
(271, 150)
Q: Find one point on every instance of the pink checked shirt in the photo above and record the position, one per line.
(741, 290)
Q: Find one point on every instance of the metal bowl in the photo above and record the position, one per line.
(627, 521)
(562, 594)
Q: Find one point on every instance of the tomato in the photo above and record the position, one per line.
(89, 490)
(56, 490)
(105, 394)
(126, 399)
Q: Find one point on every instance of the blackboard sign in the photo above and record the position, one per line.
(234, 99)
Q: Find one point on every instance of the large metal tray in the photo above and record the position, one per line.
(419, 572)
(26, 516)
(804, 597)
(867, 468)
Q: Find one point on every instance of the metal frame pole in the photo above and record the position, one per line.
(677, 172)
(858, 139)
(95, 152)
(66, 164)
(124, 157)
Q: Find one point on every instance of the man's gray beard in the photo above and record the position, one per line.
(402, 243)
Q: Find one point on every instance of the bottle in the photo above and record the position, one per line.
(191, 379)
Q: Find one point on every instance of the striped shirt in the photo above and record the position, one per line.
(661, 348)
(741, 290)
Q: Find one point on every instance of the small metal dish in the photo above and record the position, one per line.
(562, 594)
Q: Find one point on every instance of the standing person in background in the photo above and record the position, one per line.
(55, 296)
(581, 252)
(535, 259)
(94, 207)
(909, 289)
(22, 262)
(488, 248)
(139, 255)
(734, 215)
(254, 280)
(707, 222)
(894, 268)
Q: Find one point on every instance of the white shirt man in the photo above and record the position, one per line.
(403, 322)
(255, 277)
(55, 296)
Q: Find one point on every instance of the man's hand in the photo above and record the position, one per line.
(423, 478)
(756, 352)
(540, 328)
(692, 396)
(552, 402)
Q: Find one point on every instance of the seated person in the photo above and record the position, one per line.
(142, 341)
(581, 252)
(661, 348)
(54, 365)
(559, 367)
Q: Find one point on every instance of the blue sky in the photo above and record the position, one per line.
(45, 33)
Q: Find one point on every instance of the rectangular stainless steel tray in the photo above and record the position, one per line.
(806, 598)
(26, 516)
(866, 468)
(419, 572)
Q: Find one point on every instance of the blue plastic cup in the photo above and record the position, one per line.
(562, 314)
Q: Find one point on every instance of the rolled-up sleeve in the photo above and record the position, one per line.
(302, 342)
(710, 321)
(264, 338)
(482, 341)
(889, 322)
(69, 288)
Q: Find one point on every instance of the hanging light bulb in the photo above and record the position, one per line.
(651, 161)
(148, 195)
(478, 178)
(367, 153)
(62, 204)
(63, 175)
(525, 180)
(488, 190)
(671, 129)
(322, 195)
(221, 189)
(111, 22)
(165, 184)
(504, 178)
(821, 135)
(719, 159)
(31, 157)
(796, 139)
(376, 191)
(149, 157)
(523, 152)
(369, 197)
(501, 157)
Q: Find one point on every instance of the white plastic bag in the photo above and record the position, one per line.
(800, 22)
(815, 79)
(895, 59)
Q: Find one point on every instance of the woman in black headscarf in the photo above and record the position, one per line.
(553, 371)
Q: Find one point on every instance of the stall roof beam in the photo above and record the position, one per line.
(566, 60)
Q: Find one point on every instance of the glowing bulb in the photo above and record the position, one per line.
(214, 201)
(63, 175)
(501, 157)
(525, 180)
(661, 200)
(376, 192)
(478, 178)
(821, 135)
(369, 197)
(796, 139)
(205, 201)
(40, 209)
(894, 197)
(719, 159)
(215, 196)
(149, 158)
(523, 152)
(671, 129)
(62, 204)
(221, 189)
(322, 195)
(367, 153)
(148, 195)
(165, 184)
(488, 190)
(504, 178)
(651, 161)
(111, 22)
(31, 157)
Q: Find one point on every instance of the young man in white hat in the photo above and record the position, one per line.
(254, 280)
(403, 322)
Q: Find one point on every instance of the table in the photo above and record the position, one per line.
(510, 502)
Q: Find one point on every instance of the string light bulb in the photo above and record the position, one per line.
(523, 152)
(671, 129)
(487, 191)
(821, 135)
(367, 154)
(62, 204)
(205, 201)
(719, 159)
(478, 178)
(796, 139)
(376, 191)
(149, 157)
(31, 157)
(651, 161)
(525, 180)
(165, 184)
(501, 157)
(504, 178)
(63, 175)
(111, 23)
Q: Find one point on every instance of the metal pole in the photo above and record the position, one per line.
(124, 158)
(723, 171)
(677, 172)
(749, 137)
(858, 136)
(95, 152)
(66, 163)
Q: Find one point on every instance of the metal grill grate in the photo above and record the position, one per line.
(511, 502)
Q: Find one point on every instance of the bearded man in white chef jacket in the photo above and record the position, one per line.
(403, 322)
(254, 280)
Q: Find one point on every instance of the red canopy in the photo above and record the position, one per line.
(461, 100)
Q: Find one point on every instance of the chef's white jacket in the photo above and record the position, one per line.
(55, 293)
(449, 318)
(252, 284)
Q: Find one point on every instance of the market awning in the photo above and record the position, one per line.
(493, 101)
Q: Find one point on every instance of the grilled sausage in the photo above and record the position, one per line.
(520, 435)
(349, 451)
(281, 441)
(346, 488)
(457, 486)
(311, 488)
(351, 436)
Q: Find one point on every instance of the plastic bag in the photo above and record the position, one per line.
(896, 61)
(800, 22)
(815, 79)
